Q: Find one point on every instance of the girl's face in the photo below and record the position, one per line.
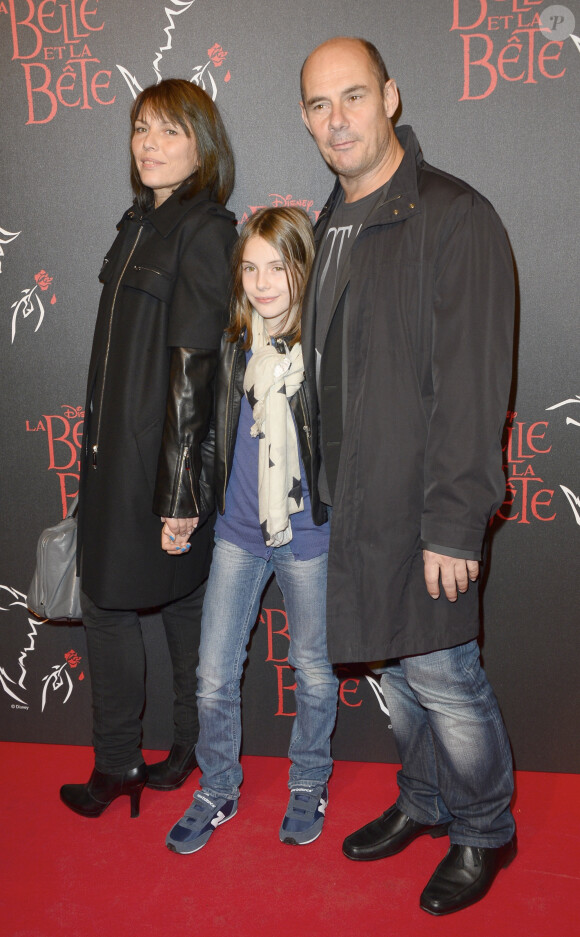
(164, 154)
(265, 282)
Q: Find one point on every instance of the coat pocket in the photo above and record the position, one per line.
(106, 271)
(149, 280)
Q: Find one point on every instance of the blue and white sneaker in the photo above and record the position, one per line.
(199, 821)
(304, 815)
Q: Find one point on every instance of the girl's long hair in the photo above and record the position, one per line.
(289, 232)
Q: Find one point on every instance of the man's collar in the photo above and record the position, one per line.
(404, 179)
(402, 197)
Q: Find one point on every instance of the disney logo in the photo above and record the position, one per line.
(287, 201)
(72, 412)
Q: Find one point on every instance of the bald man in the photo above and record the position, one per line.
(407, 337)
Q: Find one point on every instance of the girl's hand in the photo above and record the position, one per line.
(181, 526)
(176, 532)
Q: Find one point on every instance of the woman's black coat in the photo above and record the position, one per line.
(163, 306)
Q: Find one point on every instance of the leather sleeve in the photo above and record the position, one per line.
(184, 484)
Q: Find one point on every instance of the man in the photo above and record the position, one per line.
(407, 333)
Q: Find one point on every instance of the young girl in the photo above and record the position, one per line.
(265, 525)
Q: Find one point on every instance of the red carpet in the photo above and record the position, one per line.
(113, 877)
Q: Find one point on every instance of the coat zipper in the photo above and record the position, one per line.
(185, 464)
(149, 269)
(95, 447)
(306, 427)
(228, 408)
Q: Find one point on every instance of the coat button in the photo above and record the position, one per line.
(411, 204)
(395, 211)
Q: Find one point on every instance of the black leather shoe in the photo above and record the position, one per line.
(464, 876)
(387, 835)
(170, 774)
(93, 798)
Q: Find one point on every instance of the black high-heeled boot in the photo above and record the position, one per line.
(170, 774)
(91, 799)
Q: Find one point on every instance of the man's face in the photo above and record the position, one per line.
(346, 110)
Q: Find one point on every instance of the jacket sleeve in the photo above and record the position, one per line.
(200, 301)
(198, 316)
(471, 363)
(184, 485)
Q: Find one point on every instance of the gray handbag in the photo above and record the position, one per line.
(54, 590)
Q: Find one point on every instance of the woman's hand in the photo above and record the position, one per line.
(176, 532)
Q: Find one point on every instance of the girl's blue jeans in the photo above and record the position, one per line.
(236, 582)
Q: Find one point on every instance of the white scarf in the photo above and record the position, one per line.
(270, 380)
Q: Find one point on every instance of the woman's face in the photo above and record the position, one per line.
(265, 282)
(164, 154)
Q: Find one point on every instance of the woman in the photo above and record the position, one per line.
(265, 525)
(149, 402)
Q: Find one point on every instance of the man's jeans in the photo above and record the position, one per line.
(455, 753)
(236, 582)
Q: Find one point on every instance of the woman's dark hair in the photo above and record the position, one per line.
(186, 104)
(288, 231)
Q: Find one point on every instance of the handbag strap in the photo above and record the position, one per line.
(73, 508)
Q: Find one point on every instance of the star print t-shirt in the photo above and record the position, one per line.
(240, 522)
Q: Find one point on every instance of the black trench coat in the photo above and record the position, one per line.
(429, 348)
(166, 282)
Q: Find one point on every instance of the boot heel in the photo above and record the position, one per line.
(135, 796)
(90, 800)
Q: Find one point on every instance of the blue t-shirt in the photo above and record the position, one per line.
(240, 523)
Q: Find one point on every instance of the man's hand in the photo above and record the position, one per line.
(455, 574)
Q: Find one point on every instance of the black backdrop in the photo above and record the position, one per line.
(491, 88)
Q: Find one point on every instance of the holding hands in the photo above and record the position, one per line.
(176, 532)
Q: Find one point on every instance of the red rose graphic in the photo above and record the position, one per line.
(217, 54)
(43, 279)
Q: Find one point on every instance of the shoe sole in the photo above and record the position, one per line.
(188, 852)
(295, 838)
(290, 841)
